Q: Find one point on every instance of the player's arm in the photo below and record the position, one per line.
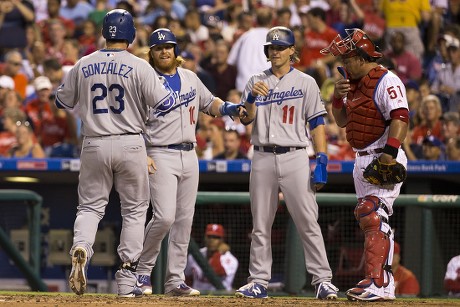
(318, 135)
(396, 135)
(341, 88)
(391, 92)
(221, 108)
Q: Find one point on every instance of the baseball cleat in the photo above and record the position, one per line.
(252, 290)
(77, 278)
(326, 291)
(136, 292)
(183, 290)
(360, 294)
(143, 282)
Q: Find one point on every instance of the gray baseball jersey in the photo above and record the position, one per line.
(113, 89)
(174, 185)
(280, 120)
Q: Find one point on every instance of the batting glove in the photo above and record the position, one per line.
(320, 173)
(230, 109)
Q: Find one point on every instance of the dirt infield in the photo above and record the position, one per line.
(70, 300)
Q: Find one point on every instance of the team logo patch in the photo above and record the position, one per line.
(161, 36)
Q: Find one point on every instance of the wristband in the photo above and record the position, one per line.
(390, 150)
(337, 102)
(394, 142)
(251, 99)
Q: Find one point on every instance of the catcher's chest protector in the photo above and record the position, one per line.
(365, 124)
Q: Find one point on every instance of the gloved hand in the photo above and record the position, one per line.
(231, 109)
(319, 176)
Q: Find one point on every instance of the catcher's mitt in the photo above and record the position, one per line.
(379, 173)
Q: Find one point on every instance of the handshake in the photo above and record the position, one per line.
(232, 109)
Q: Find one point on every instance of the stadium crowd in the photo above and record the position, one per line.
(221, 40)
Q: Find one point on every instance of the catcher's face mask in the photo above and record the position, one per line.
(348, 47)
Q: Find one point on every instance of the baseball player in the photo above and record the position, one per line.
(282, 101)
(171, 143)
(452, 277)
(219, 257)
(112, 88)
(371, 103)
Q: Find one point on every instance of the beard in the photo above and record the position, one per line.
(165, 66)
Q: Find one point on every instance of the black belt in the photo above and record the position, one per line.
(181, 146)
(276, 149)
(369, 152)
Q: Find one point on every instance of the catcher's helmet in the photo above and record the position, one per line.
(163, 36)
(118, 25)
(356, 43)
(280, 36)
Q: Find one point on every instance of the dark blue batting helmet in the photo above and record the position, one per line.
(163, 36)
(280, 36)
(118, 25)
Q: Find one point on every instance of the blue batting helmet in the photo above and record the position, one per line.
(118, 25)
(280, 36)
(163, 36)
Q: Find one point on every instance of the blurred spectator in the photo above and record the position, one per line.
(12, 99)
(452, 277)
(15, 15)
(374, 23)
(53, 70)
(26, 146)
(447, 82)
(51, 125)
(433, 149)
(204, 76)
(283, 17)
(219, 258)
(177, 27)
(173, 8)
(317, 37)
(88, 38)
(77, 11)
(350, 16)
(53, 15)
(406, 283)
(438, 60)
(406, 16)
(202, 134)
(434, 26)
(408, 66)
(245, 23)
(197, 32)
(12, 68)
(453, 149)
(36, 56)
(232, 143)
(54, 49)
(450, 125)
(223, 73)
(71, 51)
(231, 21)
(215, 139)
(413, 100)
(452, 15)
(10, 117)
(341, 149)
(247, 53)
(97, 16)
(431, 124)
(6, 83)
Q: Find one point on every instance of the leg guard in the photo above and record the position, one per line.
(377, 244)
